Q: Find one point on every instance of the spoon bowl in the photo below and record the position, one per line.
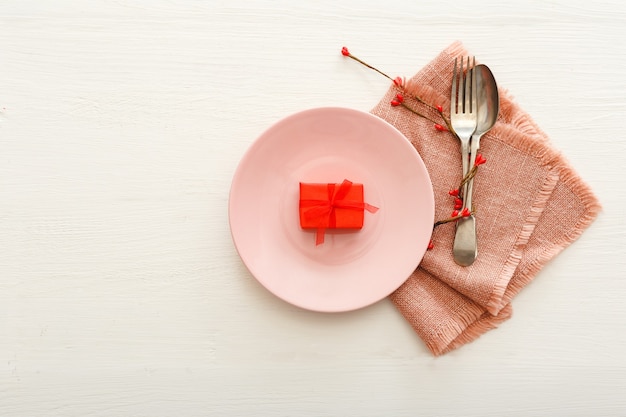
(488, 100)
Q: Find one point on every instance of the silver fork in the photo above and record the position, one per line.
(463, 118)
(463, 110)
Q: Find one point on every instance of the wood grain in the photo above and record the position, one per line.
(121, 294)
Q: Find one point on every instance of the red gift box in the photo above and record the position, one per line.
(332, 206)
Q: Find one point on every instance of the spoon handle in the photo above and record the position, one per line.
(474, 147)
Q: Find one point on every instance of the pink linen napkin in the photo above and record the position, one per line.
(530, 205)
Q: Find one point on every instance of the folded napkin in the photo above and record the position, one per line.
(530, 205)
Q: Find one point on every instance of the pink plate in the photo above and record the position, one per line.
(351, 269)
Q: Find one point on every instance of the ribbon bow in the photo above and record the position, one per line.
(324, 210)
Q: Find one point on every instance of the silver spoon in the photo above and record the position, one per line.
(465, 248)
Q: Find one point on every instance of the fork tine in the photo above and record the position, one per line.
(461, 99)
(453, 99)
(467, 88)
(474, 88)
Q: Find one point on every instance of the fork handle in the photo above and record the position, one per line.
(465, 161)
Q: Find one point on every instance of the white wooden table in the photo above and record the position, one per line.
(121, 294)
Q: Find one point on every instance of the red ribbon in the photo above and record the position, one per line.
(325, 209)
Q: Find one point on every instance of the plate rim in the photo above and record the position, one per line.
(250, 151)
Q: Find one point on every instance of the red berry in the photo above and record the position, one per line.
(345, 52)
(453, 193)
(465, 212)
(431, 244)
(479, 160)
(439, 108)
(440, 128)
